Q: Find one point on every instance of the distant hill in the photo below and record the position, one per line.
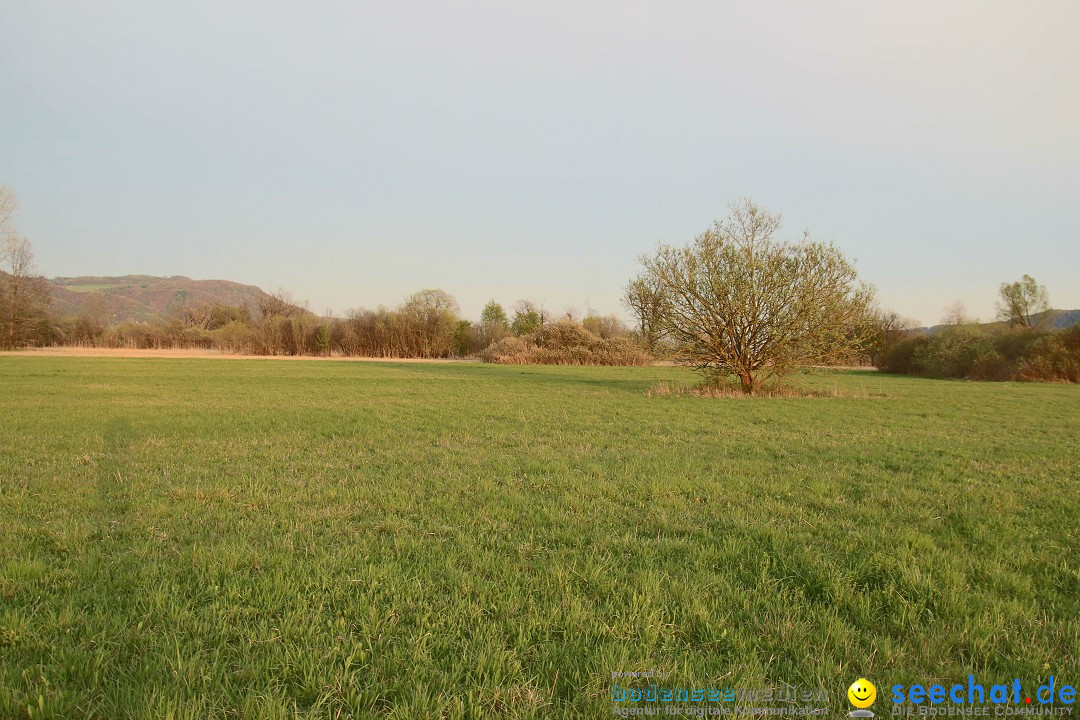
(1060, 320)
(145, 298)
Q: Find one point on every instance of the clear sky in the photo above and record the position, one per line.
(354, 152)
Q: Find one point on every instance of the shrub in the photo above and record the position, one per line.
(950, 353)
(140, 336)
(974, 354)
(565, 343)
(605, 326)
(989, 364)
(235, 337)
(1054, 357)
(468, 338)
(900, 357)
(194, 338)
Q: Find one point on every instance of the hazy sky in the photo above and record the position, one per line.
(356, 152)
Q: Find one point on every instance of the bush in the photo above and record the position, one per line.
(971, 353)
(989, 364)
(605, 326)
(950, 353)
(565, 343)
(235, 337)
(900, 357)
(137, 336)
(1053, 357)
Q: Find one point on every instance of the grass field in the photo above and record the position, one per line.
(261, 539)
(90, 288)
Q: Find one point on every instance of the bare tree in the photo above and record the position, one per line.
(643, 298)
(604, 326)
(90, 324)
(9, 203)
(886, 328)
(738, 301)
(279, 303)
(24, 298)
(1021, 301)
(956, 313)
(429, 319)
(528, 317)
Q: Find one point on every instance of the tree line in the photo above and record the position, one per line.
(735, 303)
(428, 324)
(1020, 345)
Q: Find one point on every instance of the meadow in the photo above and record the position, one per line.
(264, 539)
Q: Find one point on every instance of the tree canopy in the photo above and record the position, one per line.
(1021, 301)
(738, 301)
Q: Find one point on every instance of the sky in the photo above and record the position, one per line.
(356, 152)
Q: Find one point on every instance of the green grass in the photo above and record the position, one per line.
(268, 539)
(90, 288)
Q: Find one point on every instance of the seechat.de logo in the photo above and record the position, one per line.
(861, 694)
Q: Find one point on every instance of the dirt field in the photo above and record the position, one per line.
(219, 355)
(200, 354)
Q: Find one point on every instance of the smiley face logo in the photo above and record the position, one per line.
(862, 693)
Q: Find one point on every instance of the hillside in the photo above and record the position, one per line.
(144, 298)
(1059, 320)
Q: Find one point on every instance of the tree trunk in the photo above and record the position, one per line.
(14, 309)
(747, 380)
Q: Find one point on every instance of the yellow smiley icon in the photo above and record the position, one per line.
(862, 693)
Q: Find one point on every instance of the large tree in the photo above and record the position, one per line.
(739, 301)
(1021, 301)
(430, 320)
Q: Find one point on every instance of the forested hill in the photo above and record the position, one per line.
(143, 298)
